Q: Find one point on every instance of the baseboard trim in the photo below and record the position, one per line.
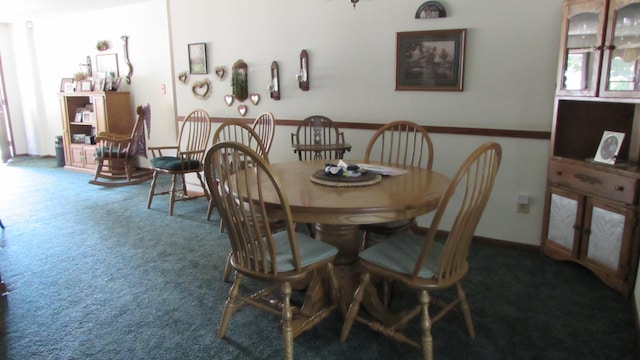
(486, 240)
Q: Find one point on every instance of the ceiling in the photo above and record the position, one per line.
(19, 10)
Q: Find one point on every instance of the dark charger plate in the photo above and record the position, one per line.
(366, 178)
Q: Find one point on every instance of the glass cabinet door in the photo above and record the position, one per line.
(581, 44)
(622, 50)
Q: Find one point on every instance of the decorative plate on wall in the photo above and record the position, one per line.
(431, 9)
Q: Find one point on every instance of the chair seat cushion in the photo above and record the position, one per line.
(399, 253)
(311, 251)
(173, 163)
(108, 152)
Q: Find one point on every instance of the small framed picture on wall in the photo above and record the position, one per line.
(198, 58)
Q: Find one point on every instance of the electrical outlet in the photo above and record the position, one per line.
(163, 88)
(523, 204)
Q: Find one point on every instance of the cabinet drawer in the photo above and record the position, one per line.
(609, 186)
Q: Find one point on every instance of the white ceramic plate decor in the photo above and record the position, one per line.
(242, 109)
(228, 99)
(255, 98)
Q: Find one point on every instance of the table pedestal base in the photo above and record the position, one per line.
(348, 271)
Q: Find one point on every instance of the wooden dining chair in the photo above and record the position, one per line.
(237, 131)
(115, 155)
(265, 126)
(184, 158)
(398, 144)
(429, 262)
(276, 260)
(317, 137)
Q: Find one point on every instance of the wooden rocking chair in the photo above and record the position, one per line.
(115, 155)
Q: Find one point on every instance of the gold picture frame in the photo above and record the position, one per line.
(430, 60)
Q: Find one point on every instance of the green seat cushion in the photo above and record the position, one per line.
(311, 251)
(173, 163)
(112, 153)
(399, 253)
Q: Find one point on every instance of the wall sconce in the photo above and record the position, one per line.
(274, 86)
(303, 76)
(239, 81)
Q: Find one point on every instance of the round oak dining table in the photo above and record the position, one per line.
(338, 211)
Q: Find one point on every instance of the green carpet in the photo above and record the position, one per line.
(93, 274)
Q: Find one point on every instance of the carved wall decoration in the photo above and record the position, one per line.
(102, 45)
(183, 77)
(201, 88)
(125, 40)
(221, 71)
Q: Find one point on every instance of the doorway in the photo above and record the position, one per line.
(7, 146)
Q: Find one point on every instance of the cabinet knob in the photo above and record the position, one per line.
(619, 187)
(610, 47)
(559, 173)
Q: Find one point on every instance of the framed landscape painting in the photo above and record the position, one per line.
(198, 58)
(430, 60)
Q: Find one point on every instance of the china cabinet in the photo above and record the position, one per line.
(592, 207)
(86, 113)
(600, 47)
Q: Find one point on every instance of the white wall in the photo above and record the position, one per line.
(510, 67)
(54, 47)
(509, 71)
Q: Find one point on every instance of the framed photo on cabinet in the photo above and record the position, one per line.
(609, 147)
(430, 60)
(67, 85)
(85, 85)
(198, 58)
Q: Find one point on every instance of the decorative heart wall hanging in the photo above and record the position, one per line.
(183, 77)
(255, 98)
(201, 88)
(242, 109)
(228, 99)
(220, 71)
